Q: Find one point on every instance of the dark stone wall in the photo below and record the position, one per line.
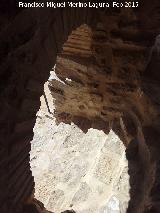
(29, 43)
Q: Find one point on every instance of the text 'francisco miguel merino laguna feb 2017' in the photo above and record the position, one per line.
(50, 4)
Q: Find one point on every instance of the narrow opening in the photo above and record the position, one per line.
(86, 172)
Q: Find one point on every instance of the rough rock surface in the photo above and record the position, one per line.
(73, 170)
(28, 51)
(99, 80)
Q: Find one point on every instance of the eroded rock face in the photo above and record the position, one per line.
(28, 51)
(100, 78)
(102, 69)
(105, 80)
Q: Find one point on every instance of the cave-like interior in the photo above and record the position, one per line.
(108, 61)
